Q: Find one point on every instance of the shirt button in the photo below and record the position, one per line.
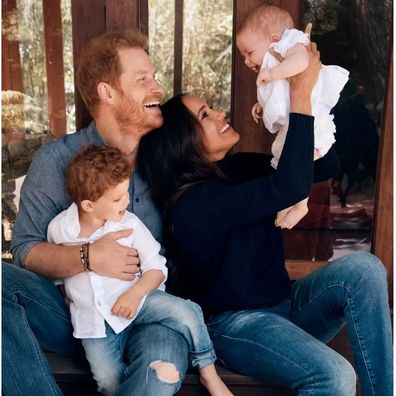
(99, 303)
(137, 200)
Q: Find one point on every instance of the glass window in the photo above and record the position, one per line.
(206, 49)
(354, 35)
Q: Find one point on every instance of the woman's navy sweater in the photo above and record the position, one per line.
(232, 255)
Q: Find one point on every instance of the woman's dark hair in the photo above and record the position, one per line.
(172, 158)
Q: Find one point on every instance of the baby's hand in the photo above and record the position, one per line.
(263, 77)
(256, 112)
(126, 305)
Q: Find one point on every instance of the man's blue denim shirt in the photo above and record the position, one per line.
(44, 194)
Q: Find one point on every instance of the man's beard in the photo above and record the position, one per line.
(130, 116)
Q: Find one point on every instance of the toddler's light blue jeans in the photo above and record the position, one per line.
(106, 355)
(286, 344)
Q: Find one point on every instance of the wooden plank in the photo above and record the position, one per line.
(382, 244)
(243, 92)
(11, 77)
(88, 20)
(127, 14)
(54, 66)
(178, 48)
(297, 269)
(294, 7)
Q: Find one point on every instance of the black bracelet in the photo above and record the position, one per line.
(84, 256)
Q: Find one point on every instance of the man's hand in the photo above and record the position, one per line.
(107, 257)
(256, 112)
(127, 304)
(263, 77)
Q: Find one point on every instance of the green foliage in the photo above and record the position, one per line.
(26, 25)
(207, 48)
(20, 112)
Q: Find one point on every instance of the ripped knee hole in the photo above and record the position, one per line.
(166, 371)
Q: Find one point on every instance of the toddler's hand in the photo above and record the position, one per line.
(126, 305)
(256, 112)
(263, 77)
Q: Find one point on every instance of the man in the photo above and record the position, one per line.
(117, 83)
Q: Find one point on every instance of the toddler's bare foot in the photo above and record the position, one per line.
(293, 216)
(212, 382)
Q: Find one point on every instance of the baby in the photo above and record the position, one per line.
(103, 310)
(269, 27)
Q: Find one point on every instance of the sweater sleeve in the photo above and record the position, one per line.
(213, 208)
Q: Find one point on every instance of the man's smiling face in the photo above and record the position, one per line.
(139, 93)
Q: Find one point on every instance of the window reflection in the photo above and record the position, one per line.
(354, 35)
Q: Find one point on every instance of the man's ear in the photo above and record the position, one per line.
(275, 37)
(87, 205)
(105, 92)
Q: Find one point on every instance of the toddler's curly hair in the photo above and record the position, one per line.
(95, 170)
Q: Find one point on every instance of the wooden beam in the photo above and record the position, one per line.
(88, 21)
(178, 48)
(54, 66)
(382, 244)
(11, 77)
(127, 14)
(243, 92)
(294, 7)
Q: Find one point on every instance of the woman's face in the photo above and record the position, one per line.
(217, 136)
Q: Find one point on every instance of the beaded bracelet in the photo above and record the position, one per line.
(84, 256)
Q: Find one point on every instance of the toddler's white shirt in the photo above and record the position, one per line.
(93, 295)
(274, 98)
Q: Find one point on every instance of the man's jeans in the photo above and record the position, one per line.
(105, 355)
(285, 344)
(34, 316)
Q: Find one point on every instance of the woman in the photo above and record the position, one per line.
(220, 213)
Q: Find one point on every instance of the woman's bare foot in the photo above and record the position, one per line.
(212, 382)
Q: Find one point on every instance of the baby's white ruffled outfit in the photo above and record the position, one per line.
(274, 98)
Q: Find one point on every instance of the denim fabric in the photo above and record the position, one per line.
(44, 194)
(34, 316)
(34, 313)
(285, 344)
(106, 355)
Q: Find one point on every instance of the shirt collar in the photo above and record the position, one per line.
(72, 224)
(94, 135)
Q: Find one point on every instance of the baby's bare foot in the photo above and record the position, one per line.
(293, 216)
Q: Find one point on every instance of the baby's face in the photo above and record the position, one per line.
(252, 46)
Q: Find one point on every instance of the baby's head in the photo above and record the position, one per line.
(97, 180)
(262, 26)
